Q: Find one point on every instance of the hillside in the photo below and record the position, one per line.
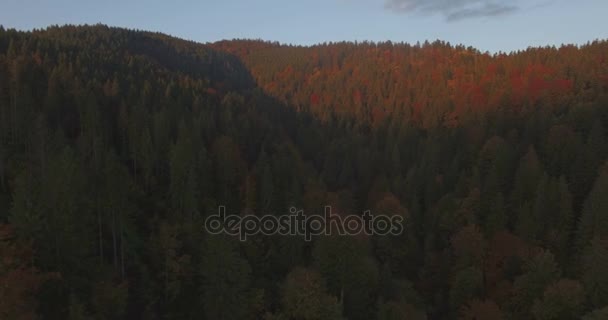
(116, 145)
(429, 85)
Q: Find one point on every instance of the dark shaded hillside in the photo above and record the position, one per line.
(116, 144)
(114, 47)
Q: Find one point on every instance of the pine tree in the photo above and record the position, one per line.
(20, 278)
(564, 299)
(226, 279)
(540, 272)
(183, 187)
(595, 271)
(497, 217)
(526, 179)
(481, 309)
(594, 221)
(597, 314)
(466, 285)
(305, 297)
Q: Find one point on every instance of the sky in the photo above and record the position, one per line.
(489, 25)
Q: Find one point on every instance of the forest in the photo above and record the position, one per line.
(117, 144)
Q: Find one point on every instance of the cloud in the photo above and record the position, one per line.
(488, 10)
(454, 10)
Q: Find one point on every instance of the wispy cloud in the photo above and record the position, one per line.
(454, 10)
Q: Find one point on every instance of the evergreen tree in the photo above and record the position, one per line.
(226, 279)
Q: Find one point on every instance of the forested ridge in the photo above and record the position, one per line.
(116, 144)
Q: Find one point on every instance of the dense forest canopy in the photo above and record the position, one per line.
(429, 85)
(116, 144)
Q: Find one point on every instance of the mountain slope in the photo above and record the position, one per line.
(116, 145)
(430, 84)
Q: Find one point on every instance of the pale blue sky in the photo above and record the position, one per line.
(485, 24)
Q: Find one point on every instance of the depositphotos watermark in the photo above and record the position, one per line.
(296, 223)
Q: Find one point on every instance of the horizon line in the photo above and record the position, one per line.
(419, 43)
